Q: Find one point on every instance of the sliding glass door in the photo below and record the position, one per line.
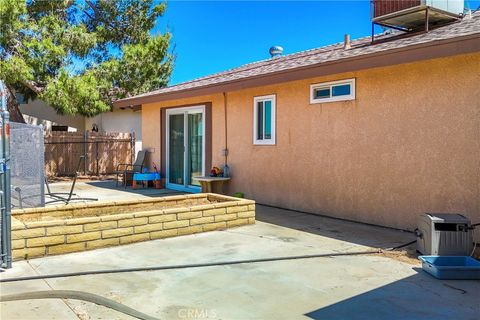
(185, 148)
(176, 149)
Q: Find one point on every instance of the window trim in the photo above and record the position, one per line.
(331, 84)
(272, 140)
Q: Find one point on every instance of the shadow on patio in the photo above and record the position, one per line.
(353, 232)
(147, 191)
(419, 296)
(108, 191)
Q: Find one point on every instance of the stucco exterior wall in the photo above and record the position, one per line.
(119, 121)
(38, 112)
(409, 143)
(151, 128)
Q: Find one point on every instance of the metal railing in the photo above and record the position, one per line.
(5, 228)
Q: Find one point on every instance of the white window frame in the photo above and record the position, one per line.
(270, 141)
(331, 84)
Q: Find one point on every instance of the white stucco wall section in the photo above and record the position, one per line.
(38, 112)
(119, 121)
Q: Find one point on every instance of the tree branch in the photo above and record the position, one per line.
(34, 86)
(98, 14)
(87, 14)
(95, 10)
(12, 106)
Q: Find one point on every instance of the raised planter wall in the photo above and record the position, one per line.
(39, 232)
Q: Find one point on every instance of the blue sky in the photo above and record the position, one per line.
(214, 36)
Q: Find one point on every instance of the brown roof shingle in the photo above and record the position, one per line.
(334, 52)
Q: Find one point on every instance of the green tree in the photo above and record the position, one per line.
(80, 55)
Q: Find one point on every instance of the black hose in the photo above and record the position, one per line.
(185, 266)
(400, 246)
(77, 295)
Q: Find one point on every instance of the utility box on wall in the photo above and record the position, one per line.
(446, 234)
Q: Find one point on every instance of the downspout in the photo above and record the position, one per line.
(225, 150)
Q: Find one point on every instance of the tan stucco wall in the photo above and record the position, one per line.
(151, 130)
(409, 143)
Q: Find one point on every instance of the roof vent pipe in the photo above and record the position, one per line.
(346, 42)
(276, 51)
(467, 14)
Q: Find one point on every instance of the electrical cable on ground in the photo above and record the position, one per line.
(77, 295)
(400, 246)
(472, 227)
(186, 266)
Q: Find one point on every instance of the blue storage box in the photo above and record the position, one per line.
(451, 267)
(146, 176)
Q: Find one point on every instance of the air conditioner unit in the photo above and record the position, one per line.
(444, 234)
(414, 15)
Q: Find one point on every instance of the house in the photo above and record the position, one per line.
(376, 132)
(123, 119)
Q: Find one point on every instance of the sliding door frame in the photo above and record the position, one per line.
(185, 111)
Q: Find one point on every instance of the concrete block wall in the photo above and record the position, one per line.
(41, 237)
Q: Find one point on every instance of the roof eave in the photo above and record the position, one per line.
(424, 51)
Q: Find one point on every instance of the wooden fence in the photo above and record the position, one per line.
(103, 152)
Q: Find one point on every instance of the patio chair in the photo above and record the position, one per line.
(57, 196)
(125, 169)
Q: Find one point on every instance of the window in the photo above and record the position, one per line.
(264, 120)
(332, 91)
(21, 98)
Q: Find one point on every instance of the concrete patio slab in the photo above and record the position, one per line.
(31, 309)
(107, 191)
(352, 287)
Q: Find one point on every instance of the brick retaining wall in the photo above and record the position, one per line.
(42, 231)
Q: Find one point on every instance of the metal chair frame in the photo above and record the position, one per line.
(139, 163)
(57, 195)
